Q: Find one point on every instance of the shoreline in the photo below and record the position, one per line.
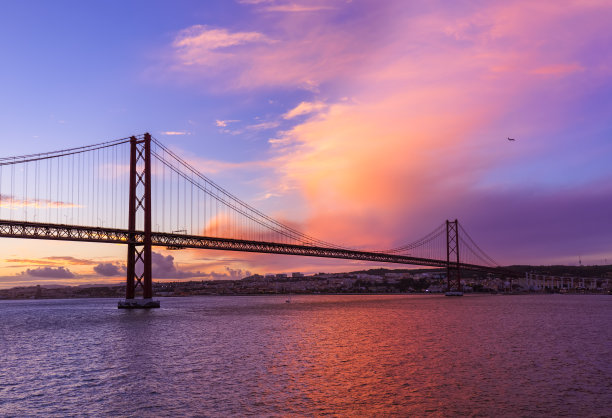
(470, 294)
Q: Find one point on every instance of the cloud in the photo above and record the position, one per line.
(304, 108)
(164, 267)
(203, 37)
(224, 123)
(541, 227)
(229, 274)
(8, 202)
(424, 135)
(524, 38)
(291, 7)
(288, 52)
(49, 272)
(31, 261)
(249, 263)
(53, 261)
(277, 142)
(205, 46)
(264, 126)
(255, 1)
(173, 133)
(558, 69)
(297, 8)
(109, 269)
(434, 92)
(70, 260)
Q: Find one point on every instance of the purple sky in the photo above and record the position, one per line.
(363, 122)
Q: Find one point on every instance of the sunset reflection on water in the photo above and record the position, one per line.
(338, 355)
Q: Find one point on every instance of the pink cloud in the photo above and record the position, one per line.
(174, 133)
(304, 108)
(296, 8)
(293, 7)
(558, 69)
(290, 51)
(434, 93)
(202, 45)
(224, 123)
(425, 127)
(8, 201)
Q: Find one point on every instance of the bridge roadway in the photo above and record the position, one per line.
(62, 232)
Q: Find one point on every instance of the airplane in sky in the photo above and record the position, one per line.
(511, 139)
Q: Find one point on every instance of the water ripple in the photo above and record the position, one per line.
(319, 355)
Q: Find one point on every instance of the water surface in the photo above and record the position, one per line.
(338, 355)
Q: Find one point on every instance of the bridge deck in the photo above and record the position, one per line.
(35, 230)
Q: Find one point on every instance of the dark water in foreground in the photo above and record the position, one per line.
(338, 355)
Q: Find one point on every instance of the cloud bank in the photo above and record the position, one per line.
(433, 93)
(49, 272)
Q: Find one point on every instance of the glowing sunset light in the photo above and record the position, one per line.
(13, 203)
(357, 122)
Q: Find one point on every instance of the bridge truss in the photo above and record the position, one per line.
(126, 197)
(59, 232)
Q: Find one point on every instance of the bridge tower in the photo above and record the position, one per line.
(453, 273)
(139, 272)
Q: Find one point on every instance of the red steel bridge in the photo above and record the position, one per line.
(136, 191)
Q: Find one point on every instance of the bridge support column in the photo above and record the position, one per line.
(453, 273)
(139, 272)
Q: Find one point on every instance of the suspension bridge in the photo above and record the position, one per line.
(136, 191)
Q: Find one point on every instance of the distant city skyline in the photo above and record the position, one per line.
(358, 122)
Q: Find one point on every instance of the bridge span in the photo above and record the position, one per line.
(60, 232)
(128, 185)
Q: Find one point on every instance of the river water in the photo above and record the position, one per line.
(318, 355)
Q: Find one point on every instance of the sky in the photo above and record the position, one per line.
(365, 123)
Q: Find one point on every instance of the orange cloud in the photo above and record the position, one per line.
(558, 69)
(425, 126)
(359, 164)
(71, 260)
(52, 261)
(432, 94)
(16, 203)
